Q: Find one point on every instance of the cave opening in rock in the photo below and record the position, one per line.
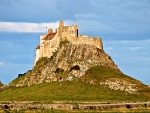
(59, 70)
(76, 67)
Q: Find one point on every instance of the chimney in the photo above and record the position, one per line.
(50, 30)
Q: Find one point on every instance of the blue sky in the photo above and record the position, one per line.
(124, 26)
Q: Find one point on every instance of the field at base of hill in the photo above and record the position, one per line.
(79, 89)
(119, 110)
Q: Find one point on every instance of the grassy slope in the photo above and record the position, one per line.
(103, 73)
(78, 90)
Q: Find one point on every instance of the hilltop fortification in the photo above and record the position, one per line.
(78, 70)
(49, 43)
(65, 55)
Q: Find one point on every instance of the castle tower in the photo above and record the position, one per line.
(61, 23)
(60, 28)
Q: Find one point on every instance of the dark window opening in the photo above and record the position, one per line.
(77, 32)
(128, 106)
(6, 107)
(92, 107)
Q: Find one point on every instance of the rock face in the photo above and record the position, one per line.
(69, 62)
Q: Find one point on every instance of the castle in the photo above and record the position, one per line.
(49, 43)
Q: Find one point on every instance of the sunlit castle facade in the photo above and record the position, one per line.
(49, 43)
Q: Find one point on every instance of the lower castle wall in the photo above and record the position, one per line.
(48, 47)
(83, 106)
(37, 56)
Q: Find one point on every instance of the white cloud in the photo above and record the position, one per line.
(69, 22)
(1, 63)
(26, 27)
(134, 48)
(30, 27)
(109, 48)
(10, 71)
(121, 16)
(131, 56)
(12, 48)
(87, 15)
(94, 27)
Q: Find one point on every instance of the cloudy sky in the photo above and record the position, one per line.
(124, 26)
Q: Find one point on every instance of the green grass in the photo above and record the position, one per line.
(101, 73)
(67, 91)
(104, 73)
(78, 90)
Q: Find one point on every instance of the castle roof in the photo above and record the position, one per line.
(38, 47)
(50, 36)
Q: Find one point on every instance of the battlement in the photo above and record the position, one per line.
(50, 42)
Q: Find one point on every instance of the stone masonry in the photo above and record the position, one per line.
(49, 43)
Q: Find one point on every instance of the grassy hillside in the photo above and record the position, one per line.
(80, 89)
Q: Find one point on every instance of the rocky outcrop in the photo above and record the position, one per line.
(121, 85)
(69, 62)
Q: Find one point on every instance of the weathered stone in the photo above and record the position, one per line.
(73, 59)
(64, 106)
(121, 85)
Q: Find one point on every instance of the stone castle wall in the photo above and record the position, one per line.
(69, 31)
(41, 45)
(48, 46)
(97, 42)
